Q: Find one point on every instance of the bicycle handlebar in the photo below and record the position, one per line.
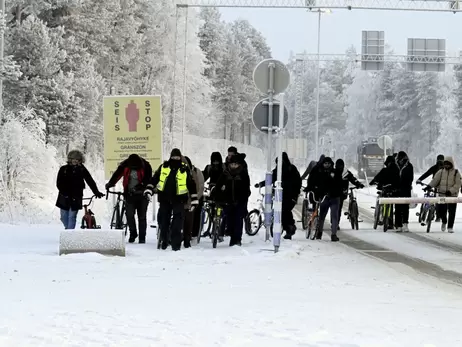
(115, 193)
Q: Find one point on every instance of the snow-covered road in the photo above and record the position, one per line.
(310, 294)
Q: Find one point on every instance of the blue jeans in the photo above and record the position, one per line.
(69, 218)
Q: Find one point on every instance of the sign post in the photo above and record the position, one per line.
(271, 77)
(385, 142)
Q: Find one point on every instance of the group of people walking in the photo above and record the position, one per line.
(180, 188)
(398, 175)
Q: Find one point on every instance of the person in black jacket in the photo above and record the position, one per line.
(313, 166)
(174, 183)
(136, 173)
(327, 185)
(233, 189)
(71, 184)
(406, 176)
(291, 185)
(214, 170)
(347, 178)
(388, 177)
(431, 172)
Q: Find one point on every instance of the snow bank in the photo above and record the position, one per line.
(92, 241)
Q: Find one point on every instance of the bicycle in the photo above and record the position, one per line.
(88, 219)
(256, 216)
(205, 218)
(383, 212)
(119, 219)
(216, 224)
(353, 211)
(314, 221)
(306, 210)
(427, 210)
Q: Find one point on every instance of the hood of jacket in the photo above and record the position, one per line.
(450, 160)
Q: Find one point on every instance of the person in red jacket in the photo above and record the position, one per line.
(136, 174)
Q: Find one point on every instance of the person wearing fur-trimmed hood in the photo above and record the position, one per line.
(71, 184)
(448, 182)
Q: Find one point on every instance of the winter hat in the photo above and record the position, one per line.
(236, 159)
(75, 155)
(440, 157)
(232, 149)
(175, 153)
(340, 164)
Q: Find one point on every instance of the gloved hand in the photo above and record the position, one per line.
(361, 186)
(418, 182)
(99, 195)
(108, 186)
(257, 185)
(194, 203)
(448, 193)
(148, 193)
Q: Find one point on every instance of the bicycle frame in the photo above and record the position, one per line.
(88, 215)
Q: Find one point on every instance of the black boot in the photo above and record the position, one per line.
(164, 245)
(132, 238)
(187, 244)
(142, 240)
(334, 238)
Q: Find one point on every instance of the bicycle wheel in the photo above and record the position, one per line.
(386, 217)
(215, 232)
(423, 215)
(377, 214)
(123, 219)
(430, 216)
(351, 215)
(354, 216)
(207, 221)
(305, 215)
(421, 212)
(114, 217)
(314, 227)
(159, 242)
(253, 222)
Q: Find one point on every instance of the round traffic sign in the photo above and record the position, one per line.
(261, 76)
(260, 115)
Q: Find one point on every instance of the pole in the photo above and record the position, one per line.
(269, 173)
(175, 63)
(278, 194)
(2, 48)
(183, 130)
(316, 138)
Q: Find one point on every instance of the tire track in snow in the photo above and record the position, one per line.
(387, 255)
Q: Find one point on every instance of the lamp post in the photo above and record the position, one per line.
(318, 82)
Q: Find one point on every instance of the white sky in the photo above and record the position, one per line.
(296, 29)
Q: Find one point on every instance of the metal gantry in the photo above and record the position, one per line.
(180, 70)
(358, 58)
(398, 5)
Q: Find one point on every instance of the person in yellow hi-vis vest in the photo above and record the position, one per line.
(174, 184)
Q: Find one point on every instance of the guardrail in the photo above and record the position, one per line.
(406, 201)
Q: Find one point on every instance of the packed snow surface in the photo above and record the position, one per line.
(312, 293)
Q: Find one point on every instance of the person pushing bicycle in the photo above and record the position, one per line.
(175, 185)
(136, 173)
